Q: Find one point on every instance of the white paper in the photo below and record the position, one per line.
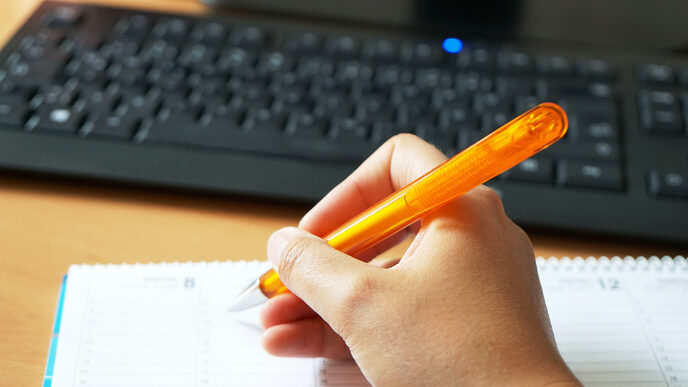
(168, 325)
(617, 323)
(620, 323)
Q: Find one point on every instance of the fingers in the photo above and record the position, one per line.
(317, 273)
(283, 309)
(292, 328)
(398, 162)
(305, 338)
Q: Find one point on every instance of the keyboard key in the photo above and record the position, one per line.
(305, 125)
(380, 50)
(657, 73)
(314, 67)
(509, 86)
(515, 61)
(582, 110)
(210, 33)
(554, 90)
(444, 140)
(291, 100)
(494, 119)
(590, 121)
(195, 54)
(235, 58)
(433, 78)
(332, 104)
(343, 46)
(222, 117)
(58, 119)
(527, 102)
(410, 115)
(263, 120)
(349, 71)
(63, 16)
(274, 62)
(582, 150)
(111, 125)
(476, 58)
(35, 72)
(373, 108)
(12, 110)
(348, 130)
(137, 26)
(157, 50)
(533, 170)
(173, 29)
(94, 100)
(135, 102)
(596, 68)
(659, 112)
(421, 53)
(589, 175)
(249, 37)
(683, 76)
(591, 128)
(668, 184)
(472, 81)
(442, 97)
(402, 94)
(491, 102)
(391, 75)
(303, 43)
(456, 116)
(555, 65)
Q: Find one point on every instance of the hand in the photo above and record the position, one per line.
(462, 306)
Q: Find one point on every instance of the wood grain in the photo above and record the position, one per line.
(46, 225)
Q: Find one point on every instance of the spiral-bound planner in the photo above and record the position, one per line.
(617, 322)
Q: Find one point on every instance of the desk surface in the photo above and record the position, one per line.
(47, 225)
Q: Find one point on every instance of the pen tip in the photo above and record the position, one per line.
(250, 297)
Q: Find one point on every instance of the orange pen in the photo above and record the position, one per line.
(502, 149)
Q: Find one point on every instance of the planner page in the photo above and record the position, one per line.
(168, 325)
(617, 322)
(620, 322)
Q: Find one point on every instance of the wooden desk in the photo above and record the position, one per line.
(47, 225)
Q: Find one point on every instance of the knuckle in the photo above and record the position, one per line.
(405, 138)
(293, 254)
(359, 290)
(358, 293)
(491, 198)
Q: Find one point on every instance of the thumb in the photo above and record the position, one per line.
(328, 280)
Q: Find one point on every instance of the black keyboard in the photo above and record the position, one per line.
(284, 109)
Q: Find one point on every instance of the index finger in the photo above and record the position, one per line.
(398, 162)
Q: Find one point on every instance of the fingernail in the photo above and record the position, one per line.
(277, 242)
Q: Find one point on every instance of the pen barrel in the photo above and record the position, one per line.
(507, 146)
(503, 149)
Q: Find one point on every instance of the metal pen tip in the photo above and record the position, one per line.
(250, 297)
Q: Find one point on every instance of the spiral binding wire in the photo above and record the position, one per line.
(615, 263)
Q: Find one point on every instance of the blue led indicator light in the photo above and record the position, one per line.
(452, 45)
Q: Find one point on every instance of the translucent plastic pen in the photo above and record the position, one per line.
(502, 149)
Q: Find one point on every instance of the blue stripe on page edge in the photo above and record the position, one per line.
(60, 304)
(50, 364)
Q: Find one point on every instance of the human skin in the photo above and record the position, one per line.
(463, 306)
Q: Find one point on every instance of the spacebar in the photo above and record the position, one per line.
(266, 142)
